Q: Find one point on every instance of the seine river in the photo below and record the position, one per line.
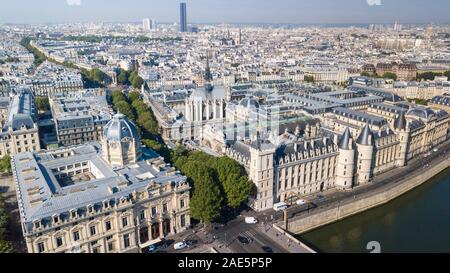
(418, 221)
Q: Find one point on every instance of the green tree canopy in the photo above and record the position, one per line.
(236, 186)
(5, 164)
(122, 78)
(124, 108)
(42, 103)
(134, 96)
(205, 204)
(390, 75)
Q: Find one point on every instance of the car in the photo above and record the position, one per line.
(280, 206)
(251, 220)
(435, 150)
(319, 196)
(190, 242)
(152, 248)
(300, 202)
(267, 249)
(243, 240)
(180, 245)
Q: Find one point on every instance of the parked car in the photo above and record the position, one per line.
(267, 249)
(435, 150)
(152, 248)
(251, 220)
(180, 245)
(243, 240)
(280, 206)
(190, 243)
(300, 202)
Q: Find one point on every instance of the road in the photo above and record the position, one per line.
(228, 235)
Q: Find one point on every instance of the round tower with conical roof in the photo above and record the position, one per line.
(345, 162)
(402, 130)
(365, 148)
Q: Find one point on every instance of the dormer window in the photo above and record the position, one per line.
(106, 204)
(73, 213)
(90, 208)
(37, 224)
(55, 219)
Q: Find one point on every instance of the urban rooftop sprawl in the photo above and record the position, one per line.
(118, 137)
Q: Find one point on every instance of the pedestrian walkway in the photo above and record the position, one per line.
(291, 244)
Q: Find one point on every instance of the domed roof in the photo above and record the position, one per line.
(119, 127)
(424, 113)
(249, 103)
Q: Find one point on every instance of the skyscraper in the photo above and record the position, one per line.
(183, 17)
(146, 25)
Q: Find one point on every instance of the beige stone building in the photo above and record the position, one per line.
(368, 145)
(80, 116)
(81, 199)
(20, 131)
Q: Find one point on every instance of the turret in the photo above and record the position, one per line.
(401, 129)
(345, 162)
(262, 174)
(365, 146)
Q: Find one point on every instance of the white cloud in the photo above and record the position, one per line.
(374, 2)
(73, 2)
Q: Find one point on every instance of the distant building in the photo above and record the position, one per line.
(183, 18)
(404, 72)
(20, 131)
(146, 24)
(80, 117)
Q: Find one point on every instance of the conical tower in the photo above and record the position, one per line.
(365, 147)
(345, 162)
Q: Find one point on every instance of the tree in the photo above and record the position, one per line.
(5, 247)
(5, 164)
(137, 82)
(134, 96)
(447, 74)
(390, 75)
(42, 103)
(428, 76)
(309, 79)
(236, 186)
(123, 77)
(117, 96)
(124, 108)
(205, 204)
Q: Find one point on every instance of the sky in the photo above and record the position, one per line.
(227, 11)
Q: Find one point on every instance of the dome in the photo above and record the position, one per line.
(424, 113)
(249, 103)
(119, 127)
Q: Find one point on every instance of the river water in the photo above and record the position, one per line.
(418, 221)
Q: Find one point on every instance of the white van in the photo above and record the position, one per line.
(280, 206)
(251, 220)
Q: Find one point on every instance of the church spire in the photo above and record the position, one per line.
(208, 76)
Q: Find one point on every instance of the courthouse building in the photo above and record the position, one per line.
(112, 196)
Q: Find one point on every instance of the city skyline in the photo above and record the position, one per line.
(224, 11)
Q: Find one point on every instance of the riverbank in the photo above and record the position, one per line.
(416, 222)
(409, 178)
